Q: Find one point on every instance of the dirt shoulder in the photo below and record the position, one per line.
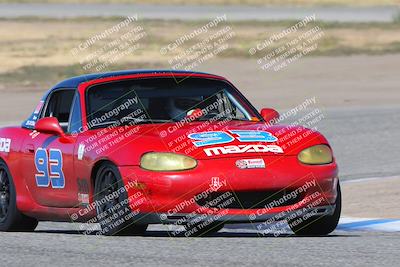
(44, 44)
(377, 198)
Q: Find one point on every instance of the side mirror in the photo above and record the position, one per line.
(49, 125)
(270, 115)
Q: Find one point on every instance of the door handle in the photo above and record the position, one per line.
(30, 148)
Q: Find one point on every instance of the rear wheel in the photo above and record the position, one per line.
(113, 208)
(319, 225)
(10, 217)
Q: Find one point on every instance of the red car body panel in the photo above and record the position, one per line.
(162, 191)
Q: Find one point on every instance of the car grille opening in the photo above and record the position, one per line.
(249, 199)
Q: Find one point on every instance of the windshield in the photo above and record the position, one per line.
(160, 100)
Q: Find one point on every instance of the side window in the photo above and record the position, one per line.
(59, 106)
(75, 119)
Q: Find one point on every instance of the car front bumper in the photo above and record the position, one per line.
(218, 189)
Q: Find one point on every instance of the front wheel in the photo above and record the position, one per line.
(11, 220)
(319, 225)
(113, 211)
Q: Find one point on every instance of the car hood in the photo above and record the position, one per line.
(128, 144)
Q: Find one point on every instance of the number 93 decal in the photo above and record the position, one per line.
(49, 167)
(216, 138)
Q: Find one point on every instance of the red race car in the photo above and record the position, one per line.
(132, 148)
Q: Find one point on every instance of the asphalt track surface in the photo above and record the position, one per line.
(47, 247)
(191, 12)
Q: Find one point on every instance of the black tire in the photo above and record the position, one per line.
(321, 225)
(11, 219)
(112, 212)
(200, 230)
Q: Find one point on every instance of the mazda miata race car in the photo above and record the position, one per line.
(132, 148)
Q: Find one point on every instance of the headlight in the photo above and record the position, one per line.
(319, 154)
(155, 161)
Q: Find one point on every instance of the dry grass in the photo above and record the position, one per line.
(38, 50)
(228, 2)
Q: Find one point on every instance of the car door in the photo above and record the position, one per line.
(49, 160)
